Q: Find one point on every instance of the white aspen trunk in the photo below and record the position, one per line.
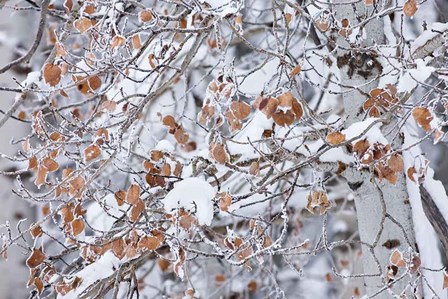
(13, 272)
(373, 202)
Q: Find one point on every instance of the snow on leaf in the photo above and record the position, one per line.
(195, 195)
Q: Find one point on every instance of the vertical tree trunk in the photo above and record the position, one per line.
(13, 272)
(383, 210)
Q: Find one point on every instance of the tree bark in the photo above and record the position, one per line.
(383, 210)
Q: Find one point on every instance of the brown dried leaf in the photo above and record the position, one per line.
(166, 169)
(89, 85)
(136, 41)
(410, 8)
(252, 286)
(118, 247)
(77, 226)
(41, 176)
(156, 155)
(239, 110)
(445, 279)
(335, 138)
(52, 74)
(220, 278)
(133, 194)
(296, 70)
(68, 5)
(322, 25)
(218, 152)
(91, 152)
(109, 105)
(283, 118)
(396, 163)
(145, 16)
(83, 24)
(120, 197)
(149, 243)
(361, 147)
(32, 162)
(396, 259)
(318, 199)
(224, 201)
(137, 210)
(163, 264)
(77, 183)
(36, 258)
(118, 41)
(423, 117)
(410, 172)
(181, 136)
(254, 168)
(36, 231)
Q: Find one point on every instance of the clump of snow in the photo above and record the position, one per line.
(373, 135)
(165, 145)
(433, 31)
(425, 235)
(253, 131)
(103, 216)
(102, 268)
(223, 8)
(412, 77)
(193, 194)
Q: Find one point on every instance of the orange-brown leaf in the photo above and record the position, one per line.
(145, 16)
(77, 226)
(396, 162)
(181, 136)
(335, 138)
(218, 152)
(137, 210)
(396, 259)
(423, 117)
(120, 197)
(92, 152)
(41, 176)
(239, 110)
(133, 194)
(52, 74)
(36, 231)
(36, 258)
(83, 24)
(117, 41)
(149, 243)
(445, 279)
(410, 8)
